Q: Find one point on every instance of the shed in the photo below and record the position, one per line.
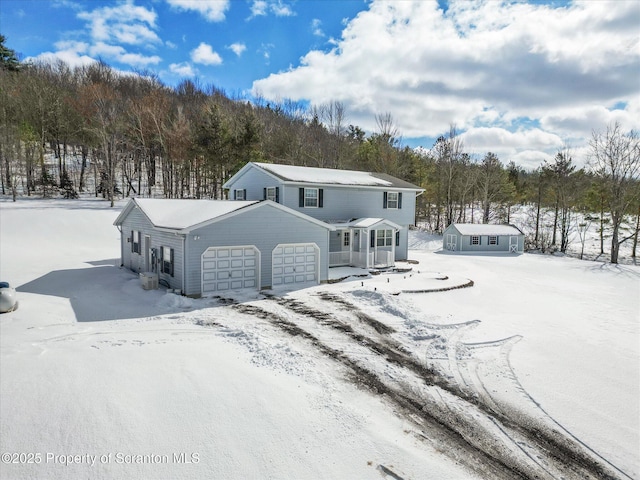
(473, 237)
(206, 247)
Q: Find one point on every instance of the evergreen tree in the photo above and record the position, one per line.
(8, 58)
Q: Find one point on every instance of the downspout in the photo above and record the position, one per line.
(184, 264)
(121, 247)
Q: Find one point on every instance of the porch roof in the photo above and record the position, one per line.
(366, 223)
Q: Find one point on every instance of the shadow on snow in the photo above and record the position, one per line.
(106, 292)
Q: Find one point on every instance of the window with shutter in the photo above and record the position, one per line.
(166, 260)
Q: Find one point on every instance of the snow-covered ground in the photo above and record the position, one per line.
(102, 379)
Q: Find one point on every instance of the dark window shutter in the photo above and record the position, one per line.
(301, 197)
(234, 193)
(479, 239)
(399, 200)
(384, 200)
(320, 197)
(497, 240)
(131, 239)
(398, 238)
(172, 262)
(277, 194)
(244, 194)
(372, 239)
(470, 240)
(264, 193)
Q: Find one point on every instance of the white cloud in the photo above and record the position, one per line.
(205, 55)
(211, 10)
(182, 69)
(479, 64)
(316, 27)
(119, 54)
(237, 48)
(261, 8)
(124, 23)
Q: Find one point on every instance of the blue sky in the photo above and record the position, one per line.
(521, 79)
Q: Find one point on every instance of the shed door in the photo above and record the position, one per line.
(451, 241)
(513, 244)
(295, 263)
(230, 268)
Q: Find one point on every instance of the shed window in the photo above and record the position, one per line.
(384, 238)
(493, 240)
(475, 240)
(239, 194)
(166, 260)
(135, 241)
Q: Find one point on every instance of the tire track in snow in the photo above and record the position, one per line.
(530, 441)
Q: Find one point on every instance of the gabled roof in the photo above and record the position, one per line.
(366, 222)
(185, 215)
(327, 176)
(486, 229)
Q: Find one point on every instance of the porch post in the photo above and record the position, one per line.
(368, 240)
(351, 241)
(393, 248)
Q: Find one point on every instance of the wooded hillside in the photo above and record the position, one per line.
(65, 131)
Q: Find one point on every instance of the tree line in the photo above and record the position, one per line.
(68, 130)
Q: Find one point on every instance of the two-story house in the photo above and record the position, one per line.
(371, 212)
(282, 225)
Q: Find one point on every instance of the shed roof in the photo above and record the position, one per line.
(331, 176)
(486, 229)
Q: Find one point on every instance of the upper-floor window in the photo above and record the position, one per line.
(135, 241)
(310, 197)
(271, 193)
(239, 194)
(392, 200)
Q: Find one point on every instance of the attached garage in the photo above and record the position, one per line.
(230, 268)
(295, 263)
(205, 247)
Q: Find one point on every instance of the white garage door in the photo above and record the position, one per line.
(295, 263)
(230, 268)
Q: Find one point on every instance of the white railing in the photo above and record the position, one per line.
(338, 259)
(384, 258)
(381, 258)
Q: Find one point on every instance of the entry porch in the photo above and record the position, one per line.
(364, 243)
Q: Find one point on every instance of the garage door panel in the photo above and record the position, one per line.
(224, 268)
(295, 263)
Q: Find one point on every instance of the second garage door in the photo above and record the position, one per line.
(230, 268)
(295, 263)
